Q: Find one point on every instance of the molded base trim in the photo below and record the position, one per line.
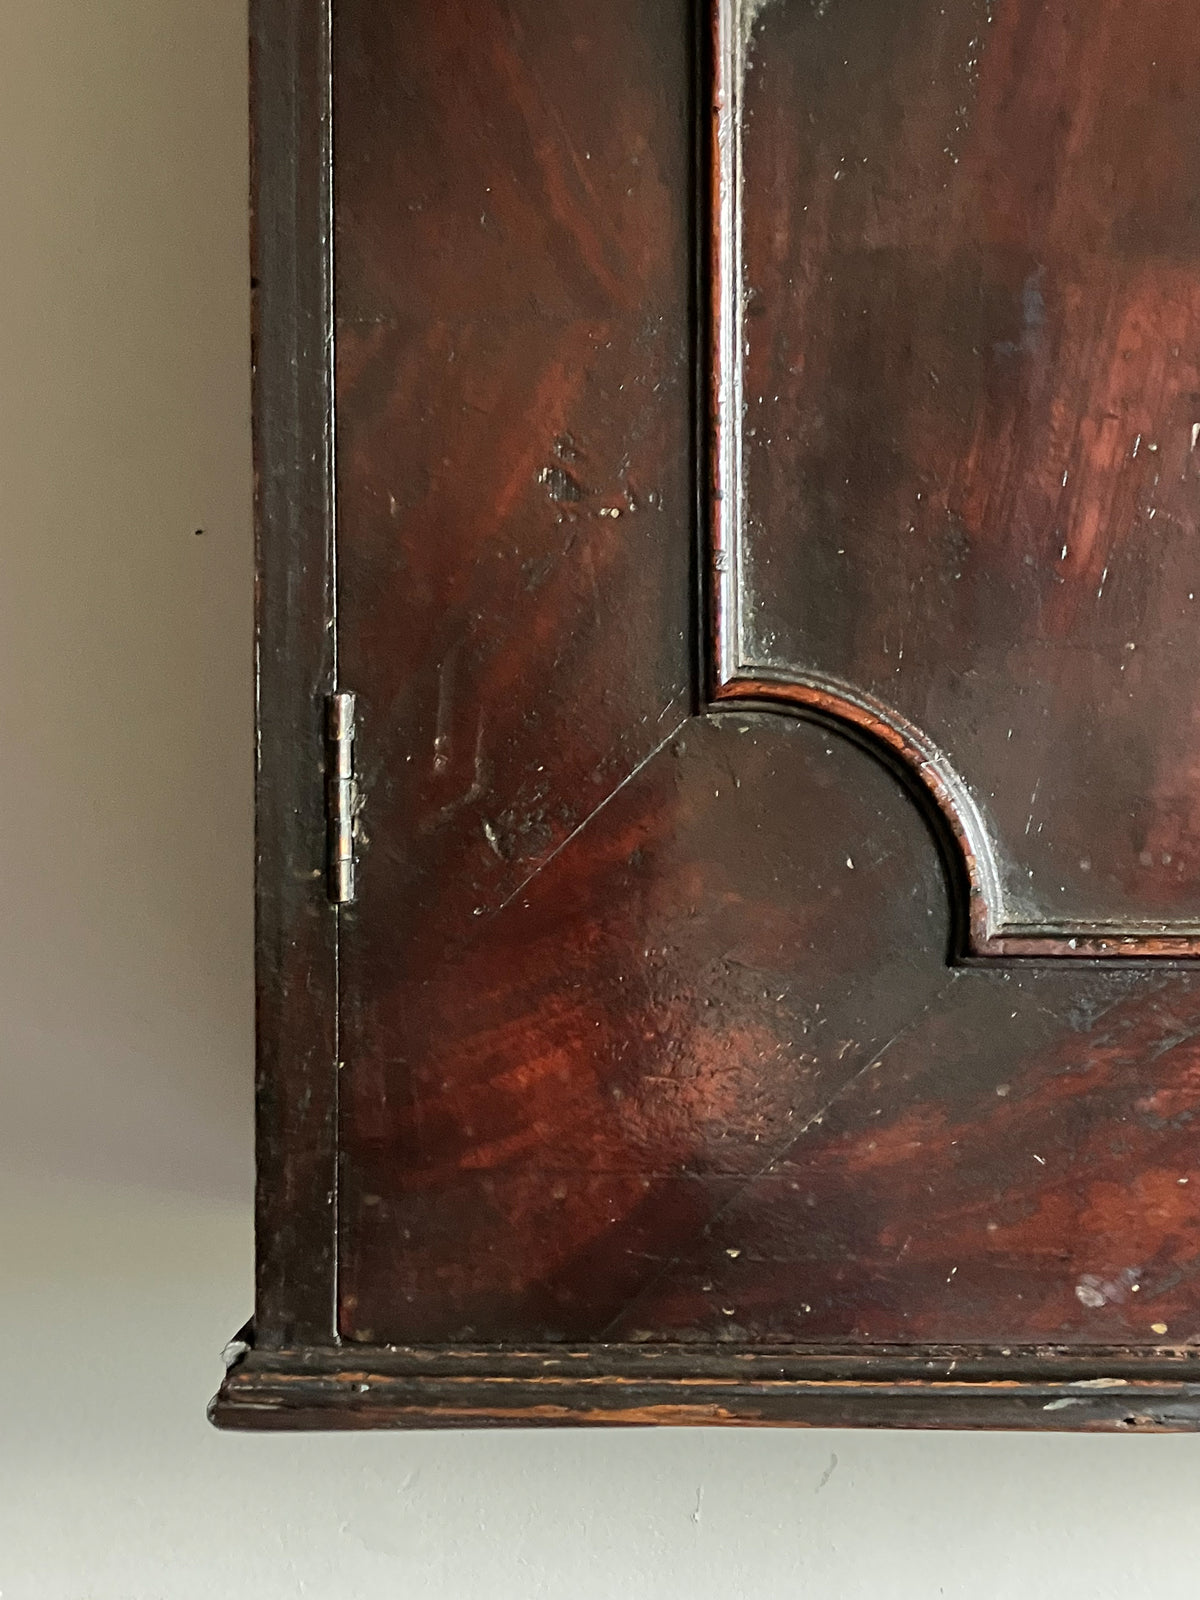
(1045, 1388)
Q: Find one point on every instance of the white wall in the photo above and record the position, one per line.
(125, 1000)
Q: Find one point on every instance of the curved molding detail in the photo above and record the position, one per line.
(921, 759)
(986, 935)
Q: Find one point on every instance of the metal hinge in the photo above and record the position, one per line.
(340, 797)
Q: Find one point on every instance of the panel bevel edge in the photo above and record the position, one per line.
(987, 936)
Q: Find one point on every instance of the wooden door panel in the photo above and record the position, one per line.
(515, 345)
(709, 1078)
(596, 1070)
(962, 391)
(767, 993)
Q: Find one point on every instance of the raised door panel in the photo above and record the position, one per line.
(959, 332)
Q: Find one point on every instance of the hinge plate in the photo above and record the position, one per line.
(340, 797)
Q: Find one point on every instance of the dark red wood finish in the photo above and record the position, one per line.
(961, 380)
(691, 1065)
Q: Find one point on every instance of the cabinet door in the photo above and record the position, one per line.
(744, 465)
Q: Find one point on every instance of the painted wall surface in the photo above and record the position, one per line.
(125, 1000)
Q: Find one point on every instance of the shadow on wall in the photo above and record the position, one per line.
(125, 644)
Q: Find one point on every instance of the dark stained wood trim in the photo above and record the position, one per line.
(971, 869)
(986, 934)
(1044, 1389)
(295, 668)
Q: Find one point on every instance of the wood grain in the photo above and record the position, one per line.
(698, 1051)
(962, 390)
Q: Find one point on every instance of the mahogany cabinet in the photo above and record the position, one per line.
(729, 727)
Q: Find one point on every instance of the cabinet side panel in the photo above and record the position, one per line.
(293, 430)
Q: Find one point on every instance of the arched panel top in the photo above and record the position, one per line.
(956, 306)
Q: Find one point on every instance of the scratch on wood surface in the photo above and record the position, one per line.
(579, 828)
(779, 1154)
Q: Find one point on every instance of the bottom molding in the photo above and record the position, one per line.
(1046, 1389)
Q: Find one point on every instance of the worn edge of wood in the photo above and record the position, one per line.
(1044, 1388)
(295, 666)
(985, 933)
